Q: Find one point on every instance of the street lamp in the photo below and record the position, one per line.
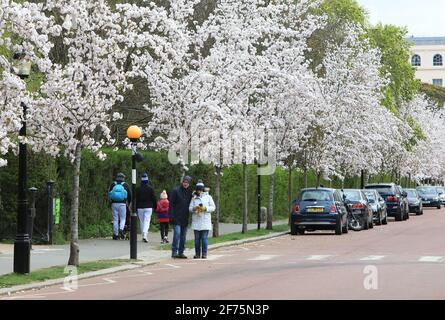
(133, 133)
(22, 243)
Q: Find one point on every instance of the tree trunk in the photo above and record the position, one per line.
(218, 202)
(318, 178)
(74, 245)
(271, 196)
(305, 177)
(245, 208)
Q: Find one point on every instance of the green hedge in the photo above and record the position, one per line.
(96, 176)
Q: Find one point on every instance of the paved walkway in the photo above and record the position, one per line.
(44, 256)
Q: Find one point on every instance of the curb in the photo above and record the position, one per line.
(127, 267)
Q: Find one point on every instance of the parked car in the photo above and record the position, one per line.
(405, 200)
(430, 197)
(319, 209)
(360, 207)
(414, 201)
(441, 192)
(395, 199)
(378, 206)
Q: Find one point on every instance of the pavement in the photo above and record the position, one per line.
(401, 260)
(44, 256)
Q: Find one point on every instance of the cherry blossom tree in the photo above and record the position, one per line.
(102, 50)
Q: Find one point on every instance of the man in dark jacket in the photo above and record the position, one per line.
(179, 214)
(145, 202)
(119, 207)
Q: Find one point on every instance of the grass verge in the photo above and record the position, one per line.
(190, 244)
(13, 279)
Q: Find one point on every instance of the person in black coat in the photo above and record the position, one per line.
(145, 202)
(179, 214)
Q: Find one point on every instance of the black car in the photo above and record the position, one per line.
(360, 206)
(378, 206)
(430, 197)
(319, 209)
(395, 199)
(414, 201)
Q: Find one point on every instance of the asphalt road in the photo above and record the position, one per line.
(403, 260)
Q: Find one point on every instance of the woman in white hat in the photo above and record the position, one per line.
(201, 207)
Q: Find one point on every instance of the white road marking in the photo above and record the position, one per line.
(318, 257)
(372, 258)
(214, 257)
(431, 259)
(263, 257)
(170, 266)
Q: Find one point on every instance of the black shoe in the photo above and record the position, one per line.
(204, 256)
(115, 237)
(197, 257)
(145, 240)
(181, 256)
(174, 255)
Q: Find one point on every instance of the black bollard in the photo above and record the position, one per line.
(31, 212)
(49, 188)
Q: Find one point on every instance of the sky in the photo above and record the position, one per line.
(424, 18)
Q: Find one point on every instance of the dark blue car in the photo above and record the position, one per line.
(430, 196)
(395, 198)
(319, 209)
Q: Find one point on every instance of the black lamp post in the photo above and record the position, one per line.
(22, 243)
(258, 194)
(133, 133)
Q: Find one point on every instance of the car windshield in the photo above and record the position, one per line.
(411, 193)
(370, 196)
(352, 195)
(381, 189)
(316, 195)
(427, 190)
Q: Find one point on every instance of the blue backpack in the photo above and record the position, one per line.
(118, 193)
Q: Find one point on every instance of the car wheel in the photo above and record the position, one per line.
(371, 223)
(338, 227)
(399, 216)
(438, 207)
(365, 223)
(385, 220)
(407, 214)
(380, 221)
(293, 230)
(346, 227)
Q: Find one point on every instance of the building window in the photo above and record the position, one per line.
(437, 60)
(438, 82)
(416, 60)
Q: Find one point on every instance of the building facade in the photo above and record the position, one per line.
(427, 56)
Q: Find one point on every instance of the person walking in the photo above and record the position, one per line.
(119, 195)
(163, 217)
(179, 215)
(201, 207)
(145, 202)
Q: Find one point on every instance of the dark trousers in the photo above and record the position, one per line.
(164, 230)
